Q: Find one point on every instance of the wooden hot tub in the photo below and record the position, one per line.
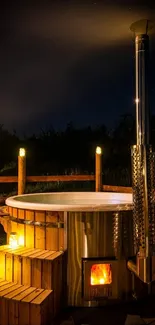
(40, 218)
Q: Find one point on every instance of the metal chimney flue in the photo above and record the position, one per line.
(143, 173)
(142, 110)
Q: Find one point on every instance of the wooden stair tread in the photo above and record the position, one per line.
(24, 305)
(33, 295)
(31, 252)
(32, 268)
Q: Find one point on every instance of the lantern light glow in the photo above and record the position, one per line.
(22, 152)
(13, 241)
(21, 241)
(99, 150)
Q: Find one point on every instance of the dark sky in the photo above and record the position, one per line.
(69, 61)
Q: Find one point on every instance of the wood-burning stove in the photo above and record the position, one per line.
(99, 279)
(96, 264)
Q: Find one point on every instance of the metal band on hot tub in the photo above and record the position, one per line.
(33, 223)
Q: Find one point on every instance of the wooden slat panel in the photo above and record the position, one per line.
(4, 306)
(36, 273)
(24, 307)
(2, 265)
(27, 266)
(17, 269)
(40, 308)
(36, 268)
(29, 230)
(20, 227)
(14, 305)
(6, 298)
(17, 265)
(47, 270)
(14, 227)
(52, 277)
(10, 209)
(46, 280)
(9, 267)
(26, 271)
(55, 286)
(52, 234)
(39, 240)
(61, 232)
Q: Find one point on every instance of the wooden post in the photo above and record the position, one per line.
(98, 170)
(21, 171)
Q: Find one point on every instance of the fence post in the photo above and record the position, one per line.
(21, 171)
(98, 170)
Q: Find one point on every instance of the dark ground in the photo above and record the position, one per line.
(110, 315)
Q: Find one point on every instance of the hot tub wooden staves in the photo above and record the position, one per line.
(39, 229)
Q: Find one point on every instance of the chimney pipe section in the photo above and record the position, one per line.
(143, 171)
(142, 110)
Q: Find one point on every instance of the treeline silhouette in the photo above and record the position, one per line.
(73, 150)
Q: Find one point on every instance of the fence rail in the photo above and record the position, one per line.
(59, 178)
(65, 178)
(117, 189)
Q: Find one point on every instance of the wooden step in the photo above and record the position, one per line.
(24, 305)
(35, 268)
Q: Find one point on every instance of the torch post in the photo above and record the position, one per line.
(21, 171)
(98, 170)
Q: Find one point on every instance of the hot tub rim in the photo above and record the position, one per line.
(124, 206)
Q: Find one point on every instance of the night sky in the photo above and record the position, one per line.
(69, 61)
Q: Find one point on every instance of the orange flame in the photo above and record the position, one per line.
(100, 274)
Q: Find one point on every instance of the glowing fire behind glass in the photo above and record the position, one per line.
(101, 274)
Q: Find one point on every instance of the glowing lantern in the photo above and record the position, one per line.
(98, 150)
(13, 240)
(21, 241)
(22, 152)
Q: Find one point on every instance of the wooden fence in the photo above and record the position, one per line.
(22, 178)
(65, 178)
